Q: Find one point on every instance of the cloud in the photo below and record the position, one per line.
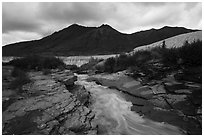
(17, 36)
(19, 16)
(82, 13)
(41, 19)
(141, 16)
(70, 12)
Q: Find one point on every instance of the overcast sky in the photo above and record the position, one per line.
(29, 21)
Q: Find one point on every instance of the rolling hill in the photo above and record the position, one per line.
(176, 41)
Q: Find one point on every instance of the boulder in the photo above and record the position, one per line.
(65, 77)
(81, 94)
(69, 80)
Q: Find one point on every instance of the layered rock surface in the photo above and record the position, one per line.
(48, 108)
(166, 100)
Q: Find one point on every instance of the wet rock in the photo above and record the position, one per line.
(69, 81)
(143, 91)
(131, 84)
(78, 122)
(81, 94)
(168, 100)
(125, 84)
(159, 101)
(143, 110)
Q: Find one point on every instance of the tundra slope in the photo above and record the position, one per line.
(176, 41)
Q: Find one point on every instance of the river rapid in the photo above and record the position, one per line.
(113, 113)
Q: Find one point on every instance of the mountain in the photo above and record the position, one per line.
(154, 35)
(81, 40)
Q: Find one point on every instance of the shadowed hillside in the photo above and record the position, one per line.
(153, 35)
(81, 40)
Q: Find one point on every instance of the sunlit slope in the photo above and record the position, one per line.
(176, 41)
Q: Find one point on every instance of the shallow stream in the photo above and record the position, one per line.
(114, 115)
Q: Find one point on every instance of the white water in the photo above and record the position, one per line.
(71, 60)
(114, 115)
(80, 60)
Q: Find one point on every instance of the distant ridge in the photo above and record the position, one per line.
(80, 40)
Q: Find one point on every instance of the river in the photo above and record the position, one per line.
(70, 60)
(113, 113)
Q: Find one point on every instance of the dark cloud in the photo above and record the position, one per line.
(41, 19)
(70, 12)
(88, 13)
(16, 17)
(9, 24)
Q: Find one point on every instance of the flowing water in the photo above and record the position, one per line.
(114, 115)
(70, 60)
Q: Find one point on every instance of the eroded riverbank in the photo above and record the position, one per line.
(61, 103)
(113, 113)
(167, 100)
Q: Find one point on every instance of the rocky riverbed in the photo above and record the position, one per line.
(113, 113)
(48, 107)
(167, 100)
(65, 103)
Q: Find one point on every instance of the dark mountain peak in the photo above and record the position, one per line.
(76, 26)
(105, 26)
(152, 29)
(166, 27)
(172, 27)
(72, 27)
(82, 40)
(70, 32)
